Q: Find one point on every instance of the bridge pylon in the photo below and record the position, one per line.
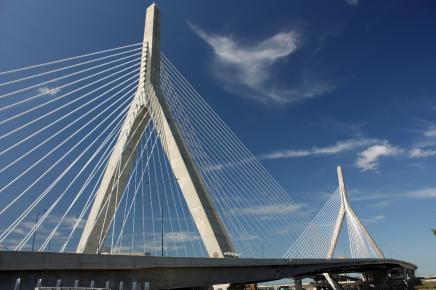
(149, 105)
(346, 211)
(320, 238)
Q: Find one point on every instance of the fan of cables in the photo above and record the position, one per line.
(60, 121)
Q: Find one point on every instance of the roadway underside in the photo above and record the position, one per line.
(168, 272)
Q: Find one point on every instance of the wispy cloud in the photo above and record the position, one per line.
(183, 236)
(426, 147)
(422, 152)
(368, 159)
(352, 2)
(48, 91)
(270, 210)
(374, 219)
(422, 193)
(233, 164)
(338, 147)
(247, 69)
(152, 247)
(430, 132)
(43, 231)
(385, 199)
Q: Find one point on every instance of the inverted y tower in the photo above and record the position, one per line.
(150, 105)
(346, 211)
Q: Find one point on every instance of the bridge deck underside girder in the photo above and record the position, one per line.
(170, 272)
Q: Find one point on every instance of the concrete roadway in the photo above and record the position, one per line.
(168, 272)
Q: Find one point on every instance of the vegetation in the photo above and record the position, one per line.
(427, 285)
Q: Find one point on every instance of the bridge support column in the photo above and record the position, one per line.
(332, 282)
(298, 284)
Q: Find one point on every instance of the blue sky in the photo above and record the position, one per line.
(306, 85)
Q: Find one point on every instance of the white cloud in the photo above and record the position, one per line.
(246, 69)
(48, 224)
(425, 147)
(245, 237)
(152, 247)
(422, 193)
(383, 199)
(369, 158)
(270, 210)
(251, 60)
(216, 167)
(374, 219)
(431, 131)
(421, 152)
(338, 147)
(352, 2)
(181, 236)
(48, 91)
(382, 203)
(241, 163)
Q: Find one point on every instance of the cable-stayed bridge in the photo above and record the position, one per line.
(116, 173)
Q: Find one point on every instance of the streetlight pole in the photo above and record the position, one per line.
(162, 224)
(36, 221)
(162, 217)
(263, 252)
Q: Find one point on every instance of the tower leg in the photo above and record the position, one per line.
(332, 282)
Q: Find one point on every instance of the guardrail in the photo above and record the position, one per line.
(70, 288)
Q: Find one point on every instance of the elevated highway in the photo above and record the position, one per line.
(68, 269)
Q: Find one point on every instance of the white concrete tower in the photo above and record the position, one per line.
(341, 214)
(149, 103)
(346, 211)
(349, 210)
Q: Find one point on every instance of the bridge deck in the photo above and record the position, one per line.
(172, 272)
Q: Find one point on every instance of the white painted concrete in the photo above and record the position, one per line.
(195, 192)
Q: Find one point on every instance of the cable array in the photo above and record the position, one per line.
(61, 123)
(315, 239)
(259, 215)
(319, 239)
